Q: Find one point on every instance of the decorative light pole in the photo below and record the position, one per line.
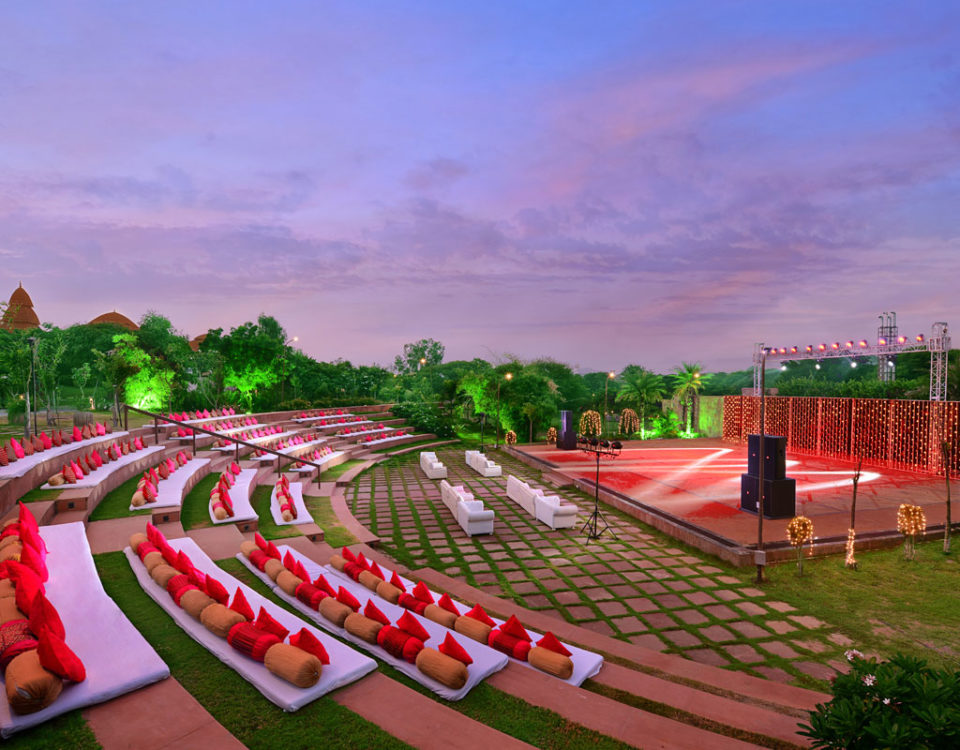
(610, 376)
(507, 376)
(600, 449)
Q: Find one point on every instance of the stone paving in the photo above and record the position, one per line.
(640, 587)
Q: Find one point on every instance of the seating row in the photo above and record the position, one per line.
(470, 514)
(482, 465)
(548, 509)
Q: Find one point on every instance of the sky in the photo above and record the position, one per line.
(603, 183)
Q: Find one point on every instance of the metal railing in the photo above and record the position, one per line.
(157, 418)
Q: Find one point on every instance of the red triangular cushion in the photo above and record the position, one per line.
(477, 613)
(217, 591)
(56, 656)
(324, 585)
(44, 615)
(260, 541)
(33, 560)
(421, 592)
(447, 603)
(410, 624)
(183, 562)
(308, 642)
(197, 578)
(266, 622)
(300, 572)
(272, 551)
(27, 584)
(239, 604)
(347, 555)
(345, 597)
(514, 628)
(550, 642)
(363, 562)
(374, 613)
(27, 519)
(395, 581)
(375, 569)
(452, 648)
(288, 562)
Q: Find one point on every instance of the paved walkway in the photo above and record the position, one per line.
(638, 588)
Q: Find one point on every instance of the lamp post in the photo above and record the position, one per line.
(423, 361)
(610, 376)
(507, 376)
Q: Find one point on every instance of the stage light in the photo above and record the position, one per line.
(809, 349)
(783, 350)
(783, 366)
(901, 339)
(822, 347)
(882, 341)
(891, 364)
(604, 443)
(616, 445)
(863, 344)
(793, 350)
(817, 366)
(853, 363)
(836, 344)
(849, 345)
(919, 338)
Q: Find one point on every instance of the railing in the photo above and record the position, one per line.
(194, 428)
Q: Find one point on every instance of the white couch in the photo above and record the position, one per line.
(432, 466)
(548, 509)
(470, 514)
(482, 465)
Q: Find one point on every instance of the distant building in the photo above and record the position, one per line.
(115, 318)
(19, 315)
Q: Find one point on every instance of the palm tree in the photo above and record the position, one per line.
(689, 379)
(641, 388)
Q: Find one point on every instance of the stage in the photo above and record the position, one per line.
(698, 482)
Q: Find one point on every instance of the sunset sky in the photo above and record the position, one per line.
(598, 182)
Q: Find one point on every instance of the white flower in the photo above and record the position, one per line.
(869, 680)
(886, 701)
(852, 654)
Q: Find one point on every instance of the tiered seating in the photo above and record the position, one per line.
(164, 485)
(336, 416)
(286, 503)
(482, 465)
(320, 456)
(468, 512)
(432, 466)
(297, 445)
(65, 644)
(384, 436)
(548, 509)
(230, 498)
(194, 591)
(569, 663)
(91, 469)
(20, 457)
(202, 415)
(225, 427)
(264, 436)
(415, 645)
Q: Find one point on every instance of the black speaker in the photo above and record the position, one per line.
(779, 496)
(775, 456)
(567, 437)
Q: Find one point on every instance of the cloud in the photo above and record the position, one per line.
(436, 173)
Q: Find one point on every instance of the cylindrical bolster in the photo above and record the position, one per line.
(509, 645)
(251, 641)
(399, 644)
(408, 601)
(310, 594)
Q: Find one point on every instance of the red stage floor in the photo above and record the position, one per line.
(699, 481)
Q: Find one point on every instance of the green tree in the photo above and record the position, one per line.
(641, 389)
(418, 354)
(16, 356)
(80, 376)
(253, 357)
(118, 364)
(50, 350)
(688, 381)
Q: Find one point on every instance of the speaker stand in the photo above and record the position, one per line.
(592, 524)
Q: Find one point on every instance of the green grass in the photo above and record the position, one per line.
(67, 732)
(337, 471)
(116, 504)
(38, 495)
(334, 533)
(404, 446)
(232, 701)
(194, 513)
(887, 604)
(260, 500)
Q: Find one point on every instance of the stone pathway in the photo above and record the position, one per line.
(638, 588)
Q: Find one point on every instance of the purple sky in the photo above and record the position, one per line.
(600, 182)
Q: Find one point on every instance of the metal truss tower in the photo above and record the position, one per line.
(887, 331)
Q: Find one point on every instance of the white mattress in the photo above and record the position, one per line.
(322, 460)
(329, 416)
(585, 663)
(486, 660)
(346, 665)
(22, 465)
(292, 450)
(240, 495)
(94, 478)
(170, 490)
(255, 441)
(117, 658)
(303, 515)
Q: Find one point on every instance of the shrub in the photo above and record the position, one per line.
(293, 404)
(901, 703)
(425, 418)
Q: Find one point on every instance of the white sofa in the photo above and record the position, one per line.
(482, 465)
(432, 466)
(470, 514)
(548, 509)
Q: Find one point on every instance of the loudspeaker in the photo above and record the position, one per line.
(779, 496)
(775, 456)
(567, 437)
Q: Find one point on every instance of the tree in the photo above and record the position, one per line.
(688, 381)
(425, 349)
(16, 356)
(641, 388)
(118, 364)
(80, 376)
(253, 356)
(50, 350)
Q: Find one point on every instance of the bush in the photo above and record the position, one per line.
(897, 703)
(16, 409)
(293, 404)
(426, 418)
(666, 425)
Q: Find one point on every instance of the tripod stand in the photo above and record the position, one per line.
(610, 450)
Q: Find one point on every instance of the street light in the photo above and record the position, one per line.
(507, 376)
(423, 361)
(610, 376)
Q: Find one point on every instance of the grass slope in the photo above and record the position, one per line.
(116, 504)
(334, 533)
(260, 500)
(194, 513)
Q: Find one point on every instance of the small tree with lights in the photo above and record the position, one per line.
(911, 520)
(590, 423)
(510, 437)
(552, 436)
(629, 422)
(799, 532)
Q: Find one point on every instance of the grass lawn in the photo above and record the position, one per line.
(232, 700)
(36, 495)
(67, 732)
(260, 500)
(116, 504)
(334, 534)
(194, 513)
(337, 471)
(886, 605)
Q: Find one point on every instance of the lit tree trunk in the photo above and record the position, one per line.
(26, 418)
(531, 428)
(945, 451)
(851, 561)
